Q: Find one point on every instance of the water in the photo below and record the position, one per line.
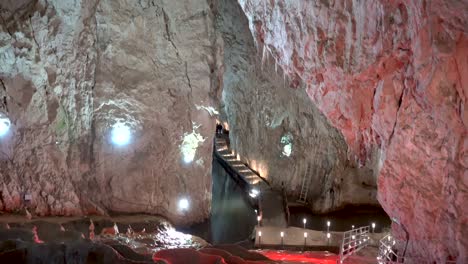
(232, 217)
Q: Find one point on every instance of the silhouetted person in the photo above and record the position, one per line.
(219, 128)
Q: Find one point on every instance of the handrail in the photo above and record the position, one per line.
(388, 253)
(353, 241)
(256, 173)
(229, 169)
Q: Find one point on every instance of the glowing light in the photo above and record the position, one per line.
(183, 204)
(190, 143)
(304, 221)
(353, 237)
(328, 235)
(328, 223)
(4, 125)
(286, 140)
(254, 193)
(120, 134)
(305, 234)
(282, 234)
(352, 227)
(259, 233)
(259, 218)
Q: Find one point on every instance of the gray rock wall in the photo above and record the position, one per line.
(70, 70)
(266, 112)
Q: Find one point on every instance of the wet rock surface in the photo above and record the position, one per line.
(41, 241)
(391, 77)
(56, 240)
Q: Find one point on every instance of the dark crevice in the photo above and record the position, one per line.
(33, 33)
(5, 101)
(168, 32)
(191, 91)
(5, 25)
(188, 78)
(396, 118)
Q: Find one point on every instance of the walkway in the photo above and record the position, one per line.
(271, 204)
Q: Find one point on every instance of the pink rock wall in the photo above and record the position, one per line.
(391, 75)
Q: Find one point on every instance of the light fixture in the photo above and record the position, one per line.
(183, 204)
(120, 134)
(328, 223)
(328, 235)
(4, 125)
(304, 220)
(352, 227)
(282, 234)
(254, 193)
(305, 234)
(259, 233)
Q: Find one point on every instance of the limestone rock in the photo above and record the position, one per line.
(391, 76)
(277, 130)
(71, 70)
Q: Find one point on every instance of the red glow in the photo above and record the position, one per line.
(305, 257)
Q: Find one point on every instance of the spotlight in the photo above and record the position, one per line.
(254, 193)
(120, 134)
(4, 125)
(183, 204)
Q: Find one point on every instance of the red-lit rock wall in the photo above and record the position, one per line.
(391, 75)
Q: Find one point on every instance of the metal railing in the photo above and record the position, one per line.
(389, 253)
(353, 241)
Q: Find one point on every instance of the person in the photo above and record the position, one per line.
(219, 128)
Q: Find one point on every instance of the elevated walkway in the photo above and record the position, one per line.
(270, 202)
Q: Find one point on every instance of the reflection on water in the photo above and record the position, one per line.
(232, 216)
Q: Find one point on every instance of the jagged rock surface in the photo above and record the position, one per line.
(391, 76)
(260, 111)
(69, 70)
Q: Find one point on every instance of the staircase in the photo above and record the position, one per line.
(305, 185)
(271, 203)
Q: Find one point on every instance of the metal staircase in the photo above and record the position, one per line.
(305, 185)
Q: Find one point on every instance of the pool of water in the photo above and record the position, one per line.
(341, 220)
(233, 217)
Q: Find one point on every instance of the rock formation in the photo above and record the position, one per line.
(71, 70)
(391, 76)
(350, 92)
(277, 131)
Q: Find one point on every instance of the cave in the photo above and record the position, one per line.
(233, 131)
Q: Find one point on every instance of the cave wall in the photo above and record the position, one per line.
(70, 70)
(261, 110)
(391, 76)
